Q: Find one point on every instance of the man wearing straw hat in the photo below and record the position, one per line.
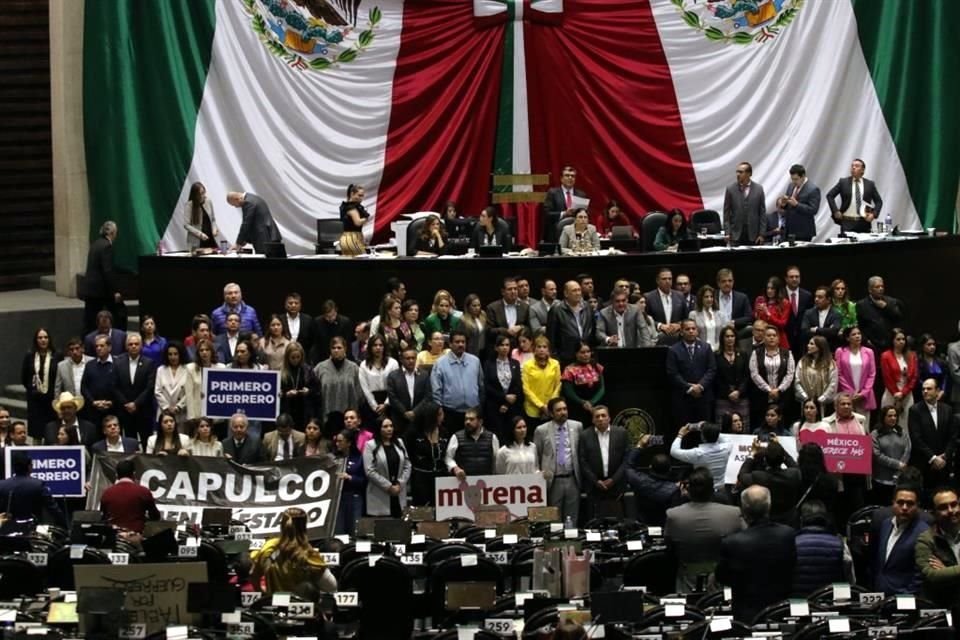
(67, 407)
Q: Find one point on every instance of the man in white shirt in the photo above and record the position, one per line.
(666, 306)
(800, 300)
(603, 458)
(933, 436)
(70, 369)
(822, 319)
(225, 344)
(284, 442)
(112, 441)
(860, 202)
(710, 453)
(407, 389)
(299, 326)
(617, 325)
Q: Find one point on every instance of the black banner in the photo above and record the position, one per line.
(258, 494)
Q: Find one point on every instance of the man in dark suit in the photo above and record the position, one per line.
(201, 328)
(800, 204)
(508, 316)
(101, 289)
(570, 323)
(757, 563)
(284, 442)
(933, 434)
(407, 388)
(225, 343)
(559, 202)
(603, 453)
(116, 337)
(821, 320)
(892, 568)
(23, 497)
(744, 208)
(800, 300)
(666, 306)
(134, 377)
(299, 326)
(328, 325)
(113, 441)
(67, 406)
(258, 227)
(241, 447)
(734, 305)
(878, 315)
(766, 468)
(691, 368)
(860, 202)
(97, 382)
(617, 324)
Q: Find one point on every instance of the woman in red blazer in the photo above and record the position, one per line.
(898, 366)
(774, 308)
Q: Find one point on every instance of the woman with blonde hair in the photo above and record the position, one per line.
(474, 324)
(816, 375)
(206, 357)
(442, 317)
(203, 440)
(290, 561)
(541, 380)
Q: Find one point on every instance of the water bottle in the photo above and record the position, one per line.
(568, 523)
(888, 223)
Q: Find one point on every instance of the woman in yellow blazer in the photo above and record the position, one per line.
(541, 381)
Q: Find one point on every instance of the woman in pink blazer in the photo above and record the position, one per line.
(856, 372)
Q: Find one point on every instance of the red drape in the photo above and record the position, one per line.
(602, 99)
(443, 121)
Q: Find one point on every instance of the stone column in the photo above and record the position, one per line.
(71, 204)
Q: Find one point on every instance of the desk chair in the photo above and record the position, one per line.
(649, 226)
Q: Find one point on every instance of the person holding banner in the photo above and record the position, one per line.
(354, 478)
(167, 441)
(852, 487)
(290, 561)
(472, 451)
(113, 441)
(205, 357)
(242, 448)
(204, 441)
(387, 466)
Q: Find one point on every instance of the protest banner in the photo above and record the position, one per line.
(253, 392)
(843, 453)
(456, 499)
(741, 449)
(62, 468)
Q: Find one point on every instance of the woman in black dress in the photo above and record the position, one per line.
(432, 240)
(38, 374)
(353, 215)
(427, 443)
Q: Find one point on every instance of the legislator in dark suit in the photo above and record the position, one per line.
(87, 433)
(401, 402)
(325, 330)
(737, 307)
(495, 420)
(100, 288)
(684, 370)
(116, 337)
(247, 451)
(828, 327)
(591, 462)
(608, 326)
(139, 391)
(744, 212)
(800, 300)
(694, 531)
(130, 445)
(656, 310)
(802, 217)
(757, 564)
(497, 317)
(929, 439)
(97, 384)
(554, 206)
(258, 227)
(566, 333)
(23, 497)
(306, 334)
(894, 572)
(847, 215)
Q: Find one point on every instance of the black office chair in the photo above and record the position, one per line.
(655, 569)
(561, 224)
(385, 591)
(60, 566)
(448, 550)
(823, 597)
(658, 615)
(349, 552)
(648, 228)
(702, 630)
(818, 630)
(413, 232)
(706, 218)
(19, 577)
(778, 612)
(328, 232)
(452, 570)
(547, 617)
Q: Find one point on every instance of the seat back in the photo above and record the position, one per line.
(563, 223)
(19, 577)
(413, 232)
(655, 569)
(705, 218)
(329, 231)
(385, 591)
(649, 227)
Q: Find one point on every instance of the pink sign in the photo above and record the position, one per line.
(843, 453)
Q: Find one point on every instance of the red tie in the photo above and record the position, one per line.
(569, 199)
(793, 301)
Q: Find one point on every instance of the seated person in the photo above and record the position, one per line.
(674, 230)
(489, 232)
(822, 556)
(432, 240)
(579, 237)
(612, 217)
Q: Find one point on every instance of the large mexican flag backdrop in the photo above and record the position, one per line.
(653, 101)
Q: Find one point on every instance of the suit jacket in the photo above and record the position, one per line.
(869, 373)
(741, 213)
(607, 326)
(130, 445)
(272, 440)
(757, 564)
(26, 497)
(495, 395)
(399, 395)
(539, 313)
(250, 450)
(694, 531)
(501, 235)
(930, 440)
(844, 188)
(324, 331)
(118, 342)
(802, 219)
(591, 462)
(877, 324)
(897, 573)
(378, 477)
(804, 302)
(194, 231)
(100, 279)
(741, 311)
(221, 345)
(64, 380)
(140, 391)
(545, 440)
(307, 332)
(810, 325)
(555, 201)
(497, 316)
(683, 371)
(563, 331)
(568, 236)
(257, 227)
(678, 310)
(88, 433)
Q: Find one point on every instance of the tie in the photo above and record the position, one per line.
(692, 348)
(286, 449)
(796, 190)
(561, 447)
(793, 301)
(857, 196)
(569, 199)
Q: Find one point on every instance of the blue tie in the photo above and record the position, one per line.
(561, 447)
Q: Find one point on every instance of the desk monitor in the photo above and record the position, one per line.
(621, 232)
(608, 607)
(203, 597)
(547, 249)
(490, 251)
(365, 527)
(215, 517)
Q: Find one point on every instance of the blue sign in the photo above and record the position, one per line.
(62, 469)
(253, 392)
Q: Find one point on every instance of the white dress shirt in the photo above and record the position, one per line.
(895, 534)
(603, 437)
(293, 323)
(851, 211)
(510, 311)
(411, 378)
(77, 370)
(133, 368)
(667, 301)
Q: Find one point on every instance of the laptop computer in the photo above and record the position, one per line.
(621, 232)
(215, 517)
(490, 251)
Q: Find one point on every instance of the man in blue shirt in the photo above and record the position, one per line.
(457, 382)
(233, 302)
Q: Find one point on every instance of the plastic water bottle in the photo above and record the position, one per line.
(568, 523)
(888, 223)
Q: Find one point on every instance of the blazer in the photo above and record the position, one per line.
(741, 313)
(678, 310)
(539, 313)
(867, 376)
(568, 237)
(804, 302)
(140, 391)
(744, 214)
(130, 445)
(257, 226)
(378, 477)
(802, 219)
(877, 324)
(194, 231)
(26, 497)
(221, 345)
(50, 366)
(810, 325)
(591, 461)
(844, 188)
(64, 381)
(272, 440)
(928, 440)
(250, 450)
(399, 395)
(563, 331)
(118, 342)
(495, 395)
(306, 335)
(607, 326)
(88, 433)
(545, 440)
(497, 316)
(757, 584)
(897, 573)
(694, 531)
(100, 279)
(890, 370)
(555, 202)
(683, 371)
(324, 331)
